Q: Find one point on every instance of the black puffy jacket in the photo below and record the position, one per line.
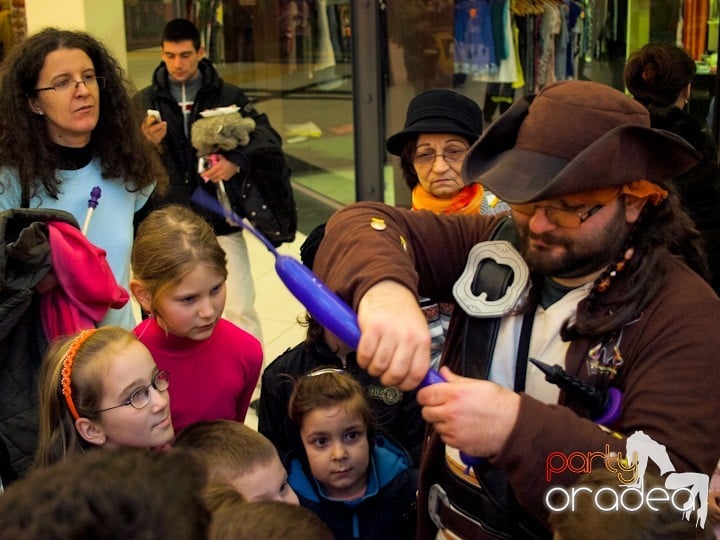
(699, 188)
(262, 157)
(24, 261)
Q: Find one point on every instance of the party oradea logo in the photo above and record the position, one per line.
(685, 492)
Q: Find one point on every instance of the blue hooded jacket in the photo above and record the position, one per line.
(387, 510)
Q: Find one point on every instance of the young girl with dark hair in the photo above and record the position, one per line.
(361, 484)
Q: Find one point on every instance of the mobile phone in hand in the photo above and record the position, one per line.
(206, 162)
(203, 164)
(154, 113)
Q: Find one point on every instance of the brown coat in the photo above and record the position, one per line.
(670, 376)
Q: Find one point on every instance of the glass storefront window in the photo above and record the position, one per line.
(493, 51)
(294, 58)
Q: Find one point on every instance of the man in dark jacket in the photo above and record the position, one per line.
(184, 85)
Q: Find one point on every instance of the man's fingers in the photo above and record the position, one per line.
(154, 132)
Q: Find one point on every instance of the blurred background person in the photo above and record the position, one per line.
(660, 76)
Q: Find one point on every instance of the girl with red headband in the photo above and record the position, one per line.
(101, 388)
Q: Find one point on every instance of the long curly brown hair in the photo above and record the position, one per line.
(117, 142)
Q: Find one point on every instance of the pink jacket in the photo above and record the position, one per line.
(86, 285)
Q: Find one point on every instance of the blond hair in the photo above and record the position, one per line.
(171, 243)
(221, 495)
(57, 435)
(267, 520)
(228, 448)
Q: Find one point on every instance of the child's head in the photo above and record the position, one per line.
(589, 518)
(125, 493)
(240, 456)
(267, 520)
(179, 272)
(330, 410)
(101, 388)
(219, 495)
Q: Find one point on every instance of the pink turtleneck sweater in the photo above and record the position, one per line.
(210, 379)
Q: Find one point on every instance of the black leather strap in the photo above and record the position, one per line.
(24, 196)
(480, 335)
(493, 504)
(463, 526)
(521, 361)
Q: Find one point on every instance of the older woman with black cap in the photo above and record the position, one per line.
(596, 286)
(440, 126)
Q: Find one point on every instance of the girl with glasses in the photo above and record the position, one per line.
(179, 274)
(101, 389)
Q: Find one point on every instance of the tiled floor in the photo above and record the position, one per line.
(277, 307)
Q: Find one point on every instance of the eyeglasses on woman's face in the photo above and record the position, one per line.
(65, 85)
(450, 155)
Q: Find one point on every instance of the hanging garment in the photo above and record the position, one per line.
(505, 47)
(695, 28)
(474, 47)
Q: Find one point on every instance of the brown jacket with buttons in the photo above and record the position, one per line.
(669, 379)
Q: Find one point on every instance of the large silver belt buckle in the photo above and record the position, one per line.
(503, 253)
(435, 496)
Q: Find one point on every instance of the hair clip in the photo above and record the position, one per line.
(325, 371)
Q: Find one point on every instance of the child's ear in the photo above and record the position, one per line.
(90, 431)
(142, 295)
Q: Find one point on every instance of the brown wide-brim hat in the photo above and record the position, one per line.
(573, 136)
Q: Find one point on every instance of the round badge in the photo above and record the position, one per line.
(391, 395)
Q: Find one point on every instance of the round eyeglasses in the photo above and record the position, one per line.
(64, 85)
(140, 397)
(570, 219)
(452, 155)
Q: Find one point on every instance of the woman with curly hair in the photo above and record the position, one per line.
(66, 128)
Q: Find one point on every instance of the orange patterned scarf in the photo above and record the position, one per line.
(466, 201)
